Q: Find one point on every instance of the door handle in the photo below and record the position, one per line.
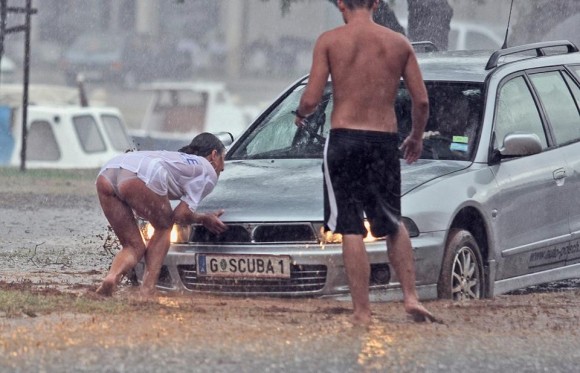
(559, 174)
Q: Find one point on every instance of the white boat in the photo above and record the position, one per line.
(179, 111)
(61, 133)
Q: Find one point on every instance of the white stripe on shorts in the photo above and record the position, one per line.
(331, 223)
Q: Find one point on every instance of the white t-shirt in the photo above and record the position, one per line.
(177, 175)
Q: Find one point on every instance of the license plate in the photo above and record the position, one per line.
(243, 266)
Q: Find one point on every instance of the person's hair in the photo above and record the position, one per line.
(203, 144)
(353, 4)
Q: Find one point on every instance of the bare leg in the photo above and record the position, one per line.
(134, 196)
(401, 257)
(122, 220)
(157, 210)
(154, 256)
(356, 263)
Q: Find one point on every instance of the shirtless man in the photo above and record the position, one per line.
(361, 161)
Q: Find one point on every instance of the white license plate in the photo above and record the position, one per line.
(240, 266)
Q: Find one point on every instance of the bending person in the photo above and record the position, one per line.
(142, 183)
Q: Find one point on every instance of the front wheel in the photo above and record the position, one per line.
(461, 275)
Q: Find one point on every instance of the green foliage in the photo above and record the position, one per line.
(15, 303)
(85, 174)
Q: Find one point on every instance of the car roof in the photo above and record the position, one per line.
(460, 66)
(475, 66)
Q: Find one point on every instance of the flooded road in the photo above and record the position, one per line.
(54, 238)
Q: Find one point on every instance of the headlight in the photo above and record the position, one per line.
(179, 233)
(330, 237)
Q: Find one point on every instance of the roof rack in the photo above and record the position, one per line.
(538, 47)
(426, 46)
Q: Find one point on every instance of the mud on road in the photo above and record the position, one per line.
(55, 245)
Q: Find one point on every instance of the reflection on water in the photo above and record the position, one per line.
(374, 348)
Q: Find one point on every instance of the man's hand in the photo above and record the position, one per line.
(412, 149)
(298, 119)
(212, 222)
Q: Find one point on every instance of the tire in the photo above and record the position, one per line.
(461, 276)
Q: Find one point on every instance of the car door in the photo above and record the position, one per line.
(531, 210)
(559, 94)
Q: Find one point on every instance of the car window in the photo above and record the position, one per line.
(577, 70)
(115, 132)
(516, 111)
(41, 144)
(88, 134)
(451, 132)
(454, 120)
(476, 40)
(278, 137)
(559, 105)
(574, 88)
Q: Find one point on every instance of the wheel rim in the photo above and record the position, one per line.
(465, 283)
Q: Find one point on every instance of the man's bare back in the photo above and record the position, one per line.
(366, 62)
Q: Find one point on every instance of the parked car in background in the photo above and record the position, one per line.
(178, 111)
(471, 36)
(60, 132)
(123, 58)
(492, 205)
(7, 70)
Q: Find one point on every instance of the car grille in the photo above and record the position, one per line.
(303, 279)
(258, 233)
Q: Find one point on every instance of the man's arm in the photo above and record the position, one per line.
(413, 144)
(316, 81)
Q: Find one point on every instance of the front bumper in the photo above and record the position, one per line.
(316, 270)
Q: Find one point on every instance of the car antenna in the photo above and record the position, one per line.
(507, 30)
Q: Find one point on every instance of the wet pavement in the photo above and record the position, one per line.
(54, 236)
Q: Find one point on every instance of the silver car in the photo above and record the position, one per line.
(493, 204)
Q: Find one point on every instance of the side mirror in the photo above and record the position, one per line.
(517, 144)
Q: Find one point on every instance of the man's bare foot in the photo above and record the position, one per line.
(420, 314)
(106, 289)
(363, 321)
(147, 294)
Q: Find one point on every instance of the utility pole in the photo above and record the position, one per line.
(28, 11)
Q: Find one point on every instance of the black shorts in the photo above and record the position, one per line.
(362, 176)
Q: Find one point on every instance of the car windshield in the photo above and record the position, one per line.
(451, 132)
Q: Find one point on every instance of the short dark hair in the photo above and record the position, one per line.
(203, 144)
(352, 4)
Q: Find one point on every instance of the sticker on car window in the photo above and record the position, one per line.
(459, 147)
(461, 139)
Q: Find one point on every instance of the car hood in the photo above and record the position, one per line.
(292, 189)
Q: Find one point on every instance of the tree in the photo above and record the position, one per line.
(535, 18)
(428, 19)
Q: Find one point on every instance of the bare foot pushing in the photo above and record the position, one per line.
(107, 288)
(420, 314)
(362, 321)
